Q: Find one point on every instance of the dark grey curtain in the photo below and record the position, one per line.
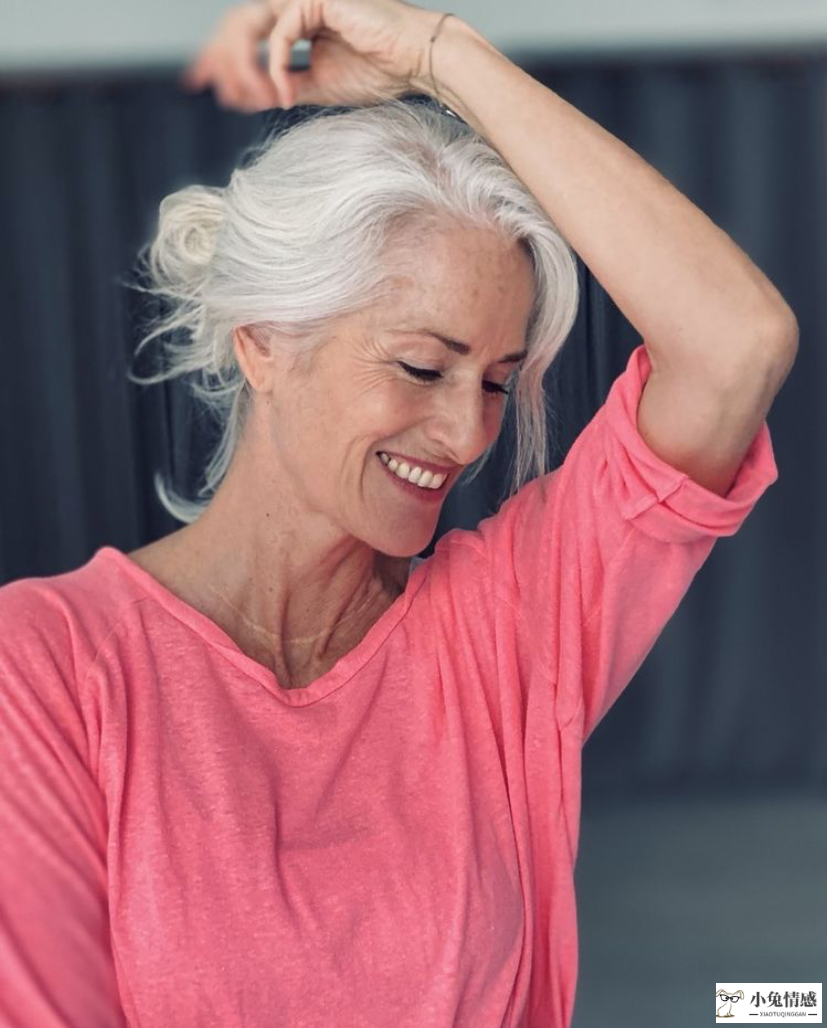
(86, 161)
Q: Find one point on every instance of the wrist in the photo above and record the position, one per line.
(435, 59)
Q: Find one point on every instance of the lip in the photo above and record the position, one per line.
(426, 465)
(423, 495)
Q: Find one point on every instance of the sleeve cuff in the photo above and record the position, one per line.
(662, 501)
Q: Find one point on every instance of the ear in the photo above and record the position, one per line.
(254, 356)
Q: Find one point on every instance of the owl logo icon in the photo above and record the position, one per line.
(728, 998)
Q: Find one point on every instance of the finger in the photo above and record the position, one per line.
(223, 96)
(277, 7)
(238, 96)
(264, 91)
(226, 85)
(251, 100)
(305, 88)
(248, 106)
(196, 75)
(258, 87)
(299, 20)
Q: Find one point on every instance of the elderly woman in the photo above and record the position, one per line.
(272, 770)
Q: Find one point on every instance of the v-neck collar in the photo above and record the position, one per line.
(341, 672)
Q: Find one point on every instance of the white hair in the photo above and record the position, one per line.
(298, 239)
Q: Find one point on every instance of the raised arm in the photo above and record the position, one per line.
(720, 337)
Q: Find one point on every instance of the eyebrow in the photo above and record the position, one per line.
(463, 348)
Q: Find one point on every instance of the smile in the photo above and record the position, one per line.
(421, 493)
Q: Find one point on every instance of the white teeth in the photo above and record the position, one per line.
(424, 479)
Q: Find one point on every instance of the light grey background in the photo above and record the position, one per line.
(84, 33)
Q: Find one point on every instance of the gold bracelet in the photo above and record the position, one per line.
(431, 60)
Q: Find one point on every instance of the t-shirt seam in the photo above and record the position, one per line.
(83, 679)
(500, 592)
(507, 599)
(114, 628)
(517, 611)
(542, 649)
(598, 606)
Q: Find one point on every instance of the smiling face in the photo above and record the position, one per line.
(323, 427)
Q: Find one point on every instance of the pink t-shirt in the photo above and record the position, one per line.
(184, 844)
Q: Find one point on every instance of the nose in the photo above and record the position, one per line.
(466, 425)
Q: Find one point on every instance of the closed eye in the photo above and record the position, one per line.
(429, 375)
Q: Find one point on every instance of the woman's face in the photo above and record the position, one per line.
(326, 426)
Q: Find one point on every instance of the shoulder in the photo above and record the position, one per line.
(55, 624)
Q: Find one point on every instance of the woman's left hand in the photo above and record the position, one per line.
(362, 51)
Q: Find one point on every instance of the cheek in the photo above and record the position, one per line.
(403, 407)
(358, 409)
(306, 430)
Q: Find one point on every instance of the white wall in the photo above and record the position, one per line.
(83, 33)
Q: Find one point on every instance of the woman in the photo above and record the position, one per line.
(270, 771)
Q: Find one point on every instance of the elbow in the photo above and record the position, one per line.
(781, 341)
(782, 332)
(774, 347)
(768, 349)
(771, 337)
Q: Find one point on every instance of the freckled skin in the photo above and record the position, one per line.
(306, 541)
